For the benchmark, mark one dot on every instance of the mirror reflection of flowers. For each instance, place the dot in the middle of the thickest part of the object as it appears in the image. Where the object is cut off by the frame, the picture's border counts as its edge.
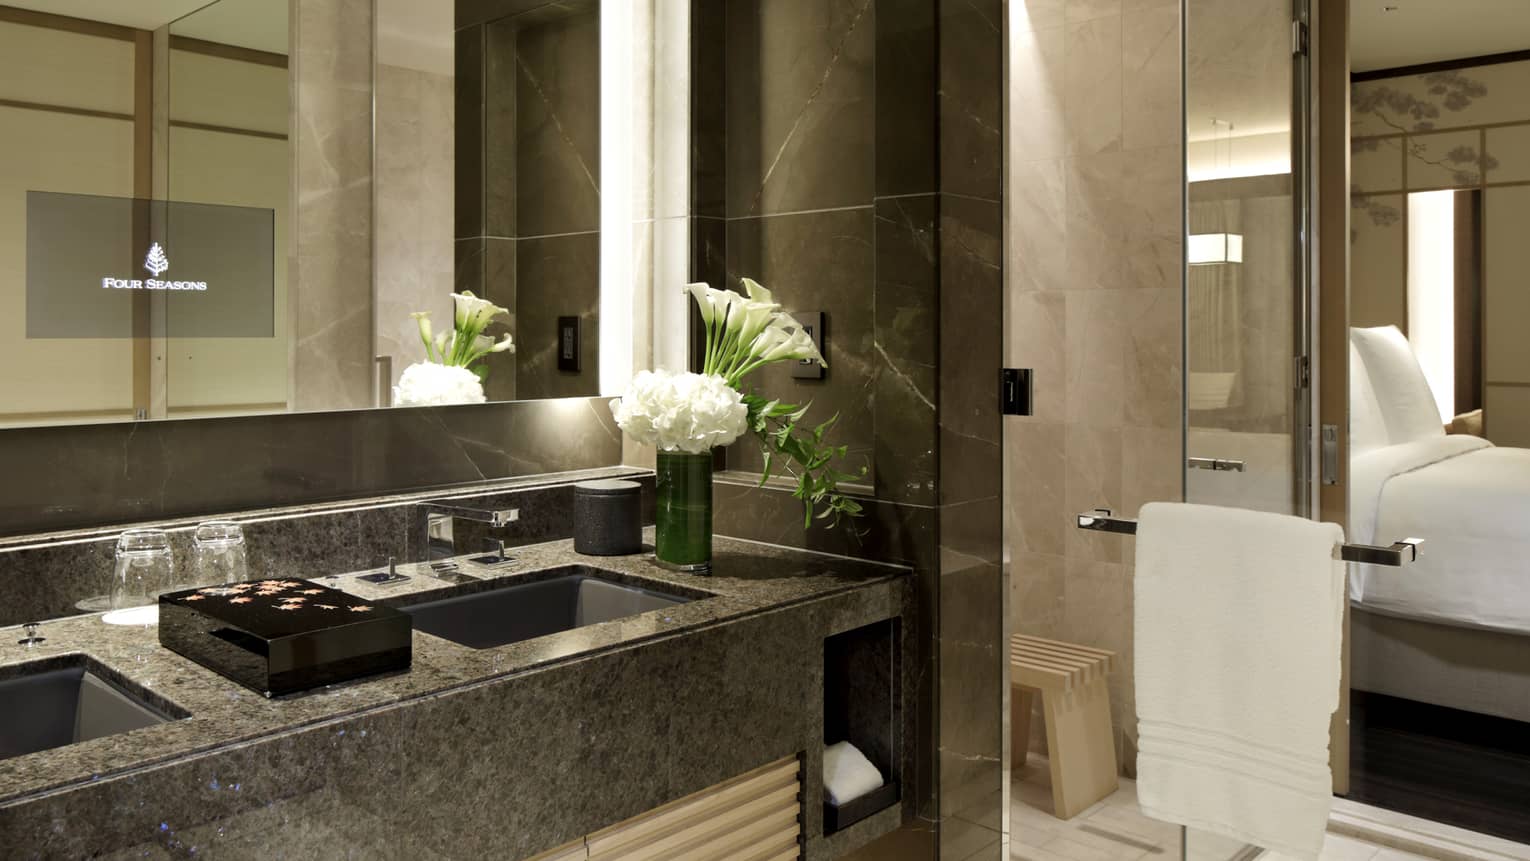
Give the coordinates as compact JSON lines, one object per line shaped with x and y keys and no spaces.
{"x":451,"y":372}
{"x":693,"y":412}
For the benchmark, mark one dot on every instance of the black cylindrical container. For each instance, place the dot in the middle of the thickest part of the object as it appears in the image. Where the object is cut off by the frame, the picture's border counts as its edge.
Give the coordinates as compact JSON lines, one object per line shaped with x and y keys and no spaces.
{"x":608,"y":517}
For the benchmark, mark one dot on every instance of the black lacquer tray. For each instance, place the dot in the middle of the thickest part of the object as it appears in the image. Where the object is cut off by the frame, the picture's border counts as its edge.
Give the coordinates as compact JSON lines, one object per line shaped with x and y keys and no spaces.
{"x":284,"y":636}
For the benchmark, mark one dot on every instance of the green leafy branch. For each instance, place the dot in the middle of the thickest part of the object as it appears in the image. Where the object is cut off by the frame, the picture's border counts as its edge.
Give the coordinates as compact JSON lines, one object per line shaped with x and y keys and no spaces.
{"x":806,"y":457}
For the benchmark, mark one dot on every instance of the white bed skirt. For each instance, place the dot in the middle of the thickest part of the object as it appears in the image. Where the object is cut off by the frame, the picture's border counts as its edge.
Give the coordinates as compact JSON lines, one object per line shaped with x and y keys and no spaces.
{"x":1471,"y":669}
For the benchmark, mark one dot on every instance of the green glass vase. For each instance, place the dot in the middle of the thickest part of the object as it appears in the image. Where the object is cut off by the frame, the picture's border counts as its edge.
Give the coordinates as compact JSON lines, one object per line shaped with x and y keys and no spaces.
{"x":683,"y":519}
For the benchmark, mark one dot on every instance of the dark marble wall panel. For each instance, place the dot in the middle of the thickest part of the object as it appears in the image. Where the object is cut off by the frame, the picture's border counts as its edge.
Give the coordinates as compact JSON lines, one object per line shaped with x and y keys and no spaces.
{"x":93,"y":475}
{"x":709,"y":101}
{"x":823,"y":262}
{"x":468,"y":152}
{"x":907,"y":154}
{"x":557,"y":125}
{"x":498,"y":109}
{"x":799,"y":104}
{"x":500,"y":286}
{"x":557,"y":276}
{"x":906,"y":312}
{"x":971,"y":74}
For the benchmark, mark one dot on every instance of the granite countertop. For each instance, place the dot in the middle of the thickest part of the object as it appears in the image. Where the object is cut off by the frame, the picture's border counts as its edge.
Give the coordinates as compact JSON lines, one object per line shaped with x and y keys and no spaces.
{"x":748,"y":578}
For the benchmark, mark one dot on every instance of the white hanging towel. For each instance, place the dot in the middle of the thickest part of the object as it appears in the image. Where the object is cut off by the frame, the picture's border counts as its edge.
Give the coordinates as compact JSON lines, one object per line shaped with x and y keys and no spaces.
{"x":1238,"y":631}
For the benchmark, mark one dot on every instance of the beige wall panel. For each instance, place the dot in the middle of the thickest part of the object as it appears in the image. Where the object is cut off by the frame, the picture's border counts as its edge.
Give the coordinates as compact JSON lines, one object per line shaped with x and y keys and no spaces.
{"x":1376,"y":164}
{"x":236,"y":170}
{"x":1510,"y":148}
{"x":1377,"y":254}
{"x":1508,"y":415}
{"x":1506,"y":99}
{"x":1506,"y":300}
{"x":55,"y":67}
{"x":1446,"y":160}
{"x":232,"y":93}
{"x":43,"y":151}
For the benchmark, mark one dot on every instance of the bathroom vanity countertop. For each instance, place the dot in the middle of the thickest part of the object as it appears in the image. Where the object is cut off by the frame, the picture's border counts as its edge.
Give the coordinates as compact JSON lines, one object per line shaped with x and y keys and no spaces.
{"x":748,"y":578}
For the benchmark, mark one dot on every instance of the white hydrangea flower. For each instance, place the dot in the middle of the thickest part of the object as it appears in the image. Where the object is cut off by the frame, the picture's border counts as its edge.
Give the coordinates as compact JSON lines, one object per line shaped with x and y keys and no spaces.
{"x":428,"y":384}
{"x":681,"y":411}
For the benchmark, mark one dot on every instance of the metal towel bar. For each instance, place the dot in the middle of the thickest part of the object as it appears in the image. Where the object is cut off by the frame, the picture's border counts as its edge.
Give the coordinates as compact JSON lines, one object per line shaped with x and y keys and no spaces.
{"x":1400,"y":553}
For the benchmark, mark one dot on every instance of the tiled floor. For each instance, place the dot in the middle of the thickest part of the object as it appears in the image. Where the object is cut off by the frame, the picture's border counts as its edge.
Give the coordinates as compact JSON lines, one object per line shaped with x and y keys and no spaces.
{"x":1114,"y":830}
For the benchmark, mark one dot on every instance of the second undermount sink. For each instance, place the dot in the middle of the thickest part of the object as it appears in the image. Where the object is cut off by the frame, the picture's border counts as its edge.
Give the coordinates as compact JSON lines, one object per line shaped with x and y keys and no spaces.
{"x":62,"y":701}
{"x":569,"y":598}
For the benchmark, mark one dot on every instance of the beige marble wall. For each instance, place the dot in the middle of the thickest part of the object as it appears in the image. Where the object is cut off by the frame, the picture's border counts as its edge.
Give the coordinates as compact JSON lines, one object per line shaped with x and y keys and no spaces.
{"x":414,"y":183}
{"x":331,"y":264}
{"x":1094,"y":299}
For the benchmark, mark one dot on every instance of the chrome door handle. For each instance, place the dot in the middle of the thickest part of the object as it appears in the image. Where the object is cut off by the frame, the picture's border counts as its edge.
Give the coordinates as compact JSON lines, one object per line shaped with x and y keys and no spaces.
{"x":1215,"y":464}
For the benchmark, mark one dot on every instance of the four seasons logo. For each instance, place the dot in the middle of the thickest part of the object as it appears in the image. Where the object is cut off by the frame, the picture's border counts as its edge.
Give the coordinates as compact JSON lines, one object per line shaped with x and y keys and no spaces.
{"x":157,"y":263}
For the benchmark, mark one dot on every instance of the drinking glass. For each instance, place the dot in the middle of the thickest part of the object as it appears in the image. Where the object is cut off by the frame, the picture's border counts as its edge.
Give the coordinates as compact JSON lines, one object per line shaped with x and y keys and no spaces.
{"x":217,"y":554}
{"x":145,"y":568}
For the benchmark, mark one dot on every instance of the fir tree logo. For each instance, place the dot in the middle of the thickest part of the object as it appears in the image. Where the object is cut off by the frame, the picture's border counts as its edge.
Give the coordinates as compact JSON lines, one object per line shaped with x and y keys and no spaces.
{"x":156,"y":262}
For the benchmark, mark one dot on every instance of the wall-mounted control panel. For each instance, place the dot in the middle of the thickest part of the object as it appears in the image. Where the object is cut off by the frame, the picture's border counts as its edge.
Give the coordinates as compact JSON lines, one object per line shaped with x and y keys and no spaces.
{"x":811,"y":369}
{"x":568,"y":344}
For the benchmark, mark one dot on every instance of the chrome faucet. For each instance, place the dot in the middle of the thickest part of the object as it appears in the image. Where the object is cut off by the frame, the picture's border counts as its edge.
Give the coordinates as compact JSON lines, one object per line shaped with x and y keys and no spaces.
{"x":436,"y":535}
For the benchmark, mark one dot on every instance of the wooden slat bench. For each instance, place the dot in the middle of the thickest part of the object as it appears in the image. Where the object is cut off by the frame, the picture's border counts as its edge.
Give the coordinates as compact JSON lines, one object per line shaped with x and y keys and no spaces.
{"x":1075,"y":704}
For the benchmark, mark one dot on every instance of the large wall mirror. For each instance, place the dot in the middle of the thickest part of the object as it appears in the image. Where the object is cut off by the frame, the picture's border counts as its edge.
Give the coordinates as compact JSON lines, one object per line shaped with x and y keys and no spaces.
{"x":168,"y":181}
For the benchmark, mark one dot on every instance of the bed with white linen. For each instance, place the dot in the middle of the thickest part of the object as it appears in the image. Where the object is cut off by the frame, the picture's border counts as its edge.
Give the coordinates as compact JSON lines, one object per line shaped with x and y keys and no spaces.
{"x":1453,"y":628}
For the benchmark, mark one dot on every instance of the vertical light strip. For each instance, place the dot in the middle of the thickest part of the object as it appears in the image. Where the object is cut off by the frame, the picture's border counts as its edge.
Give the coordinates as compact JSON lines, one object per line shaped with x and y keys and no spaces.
{"x":672,"y":185}
{"x":1432,"y":292}
{"x":617,"y":74}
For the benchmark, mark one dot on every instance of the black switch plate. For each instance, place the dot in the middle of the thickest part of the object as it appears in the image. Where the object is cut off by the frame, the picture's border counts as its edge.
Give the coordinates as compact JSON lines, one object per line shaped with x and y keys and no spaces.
{"x":568,"y":344}
{"x":1015,"y":391}
{"x":811,"y":369}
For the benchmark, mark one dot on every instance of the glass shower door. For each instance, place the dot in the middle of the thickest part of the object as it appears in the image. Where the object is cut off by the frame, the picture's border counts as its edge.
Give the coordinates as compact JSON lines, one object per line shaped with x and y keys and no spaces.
{"x":1247,"y":400}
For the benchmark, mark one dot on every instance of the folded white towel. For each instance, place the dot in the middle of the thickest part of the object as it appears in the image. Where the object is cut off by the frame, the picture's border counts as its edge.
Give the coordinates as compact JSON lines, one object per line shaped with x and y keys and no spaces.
{"x":1238,"y":629}
{"x":847,"y":773}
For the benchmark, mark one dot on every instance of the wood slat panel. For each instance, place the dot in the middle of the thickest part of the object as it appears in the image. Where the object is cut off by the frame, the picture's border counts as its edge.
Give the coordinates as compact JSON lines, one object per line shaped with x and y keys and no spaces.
{"x":755,"y":815}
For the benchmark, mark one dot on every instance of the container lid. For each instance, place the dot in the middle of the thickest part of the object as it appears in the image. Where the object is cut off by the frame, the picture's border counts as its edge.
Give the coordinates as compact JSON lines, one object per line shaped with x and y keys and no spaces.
{"x":607,"y":487}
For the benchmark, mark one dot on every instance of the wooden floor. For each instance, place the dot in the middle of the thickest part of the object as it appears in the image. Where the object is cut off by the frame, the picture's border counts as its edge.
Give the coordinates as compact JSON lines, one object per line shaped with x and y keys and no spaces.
{"x":1450,"y":766}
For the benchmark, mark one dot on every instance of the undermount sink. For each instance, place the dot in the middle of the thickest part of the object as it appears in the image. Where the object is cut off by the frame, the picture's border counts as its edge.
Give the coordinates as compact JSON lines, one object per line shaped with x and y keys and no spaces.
{"x":569,"y":598}
{"x":62,"y":701}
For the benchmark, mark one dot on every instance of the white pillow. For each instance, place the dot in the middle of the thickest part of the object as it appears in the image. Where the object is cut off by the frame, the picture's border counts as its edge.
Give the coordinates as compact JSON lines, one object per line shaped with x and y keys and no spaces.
{"x":1407,"y":405}
{"x":1367,"y":428}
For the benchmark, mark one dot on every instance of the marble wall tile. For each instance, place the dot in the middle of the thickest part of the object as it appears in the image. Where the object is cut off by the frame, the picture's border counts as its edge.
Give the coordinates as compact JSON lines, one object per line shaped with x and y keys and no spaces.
{"x":709,"y":109}
{"x":1036,"y":498}
{"x":1092,"y":84}
{"x":1038,"y":213}
{"x":905,"y":302}
{"x":799,"y":104}
{"x":1097,"y":330}
{"x":331,"y":323}
{"x":415,"y":256}
{"x":1028,"y":15}
{"x":1154,"y":368}
{"x":1150,"y":60}
{"x":1096,"y":222}
{"x":92,"y":475}
{"x":500,"y":137}
{"x":1037,"y":336}
{"x":468,"y":155}
{"x":971,"y":106}
{"x":557,"y":126}
{"x":906,"y":80}
{"x":817,"y":262}
{"x":1037,"y":114}
{"x":556,"y":277}
{"x":971,"y":290}
{"x":1108,"y":428}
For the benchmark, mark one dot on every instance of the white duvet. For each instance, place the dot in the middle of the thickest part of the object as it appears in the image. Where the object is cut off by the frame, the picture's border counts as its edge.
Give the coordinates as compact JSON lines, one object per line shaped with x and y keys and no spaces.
{"x":1470,"y":501}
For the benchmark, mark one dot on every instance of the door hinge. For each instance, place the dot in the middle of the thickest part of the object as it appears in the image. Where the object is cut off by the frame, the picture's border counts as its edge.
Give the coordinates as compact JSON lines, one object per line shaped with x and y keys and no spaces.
{"x":1330,"y":474}
{"x":1299,"y":38}
{"x":1015,"y":392}
{"x":1301,"y":375}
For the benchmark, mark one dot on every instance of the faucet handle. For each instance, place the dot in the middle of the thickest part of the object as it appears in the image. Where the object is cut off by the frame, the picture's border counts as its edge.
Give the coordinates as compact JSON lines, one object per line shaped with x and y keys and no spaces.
{"x":506,"y":516}
{"x":31,"y":639}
